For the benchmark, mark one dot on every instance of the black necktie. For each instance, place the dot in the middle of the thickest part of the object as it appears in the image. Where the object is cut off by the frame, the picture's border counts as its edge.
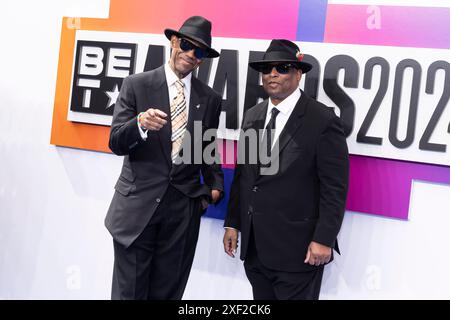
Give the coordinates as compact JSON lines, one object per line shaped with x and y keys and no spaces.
{"x":269,"y":132}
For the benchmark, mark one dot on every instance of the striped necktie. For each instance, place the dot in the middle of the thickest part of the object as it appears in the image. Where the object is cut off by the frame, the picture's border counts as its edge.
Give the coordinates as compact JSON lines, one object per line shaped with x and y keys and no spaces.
{"x":179,"y":119}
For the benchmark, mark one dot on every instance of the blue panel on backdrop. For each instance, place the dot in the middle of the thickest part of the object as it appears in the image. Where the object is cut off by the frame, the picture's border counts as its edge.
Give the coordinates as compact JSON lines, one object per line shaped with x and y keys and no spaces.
{"x":219,"y":211}
{"x":311,"y":20}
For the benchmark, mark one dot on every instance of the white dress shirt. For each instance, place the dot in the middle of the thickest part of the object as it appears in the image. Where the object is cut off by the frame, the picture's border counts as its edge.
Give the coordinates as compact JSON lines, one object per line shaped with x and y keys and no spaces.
{"x":285,"y":107}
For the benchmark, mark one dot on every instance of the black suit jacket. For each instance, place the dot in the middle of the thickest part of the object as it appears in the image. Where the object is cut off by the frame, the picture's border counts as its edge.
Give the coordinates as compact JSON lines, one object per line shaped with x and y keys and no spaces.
{"x":305,"y":200}
{"x":147,"y":168}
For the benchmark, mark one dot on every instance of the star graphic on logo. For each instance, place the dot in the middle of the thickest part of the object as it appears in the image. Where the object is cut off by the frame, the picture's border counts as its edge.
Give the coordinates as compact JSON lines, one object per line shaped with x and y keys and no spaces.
{"x":112,"y":95}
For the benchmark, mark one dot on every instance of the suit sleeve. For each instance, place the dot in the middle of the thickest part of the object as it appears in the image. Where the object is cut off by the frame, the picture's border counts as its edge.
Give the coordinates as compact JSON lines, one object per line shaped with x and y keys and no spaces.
{"x":233,"y":217}
{"x":212,"y":173}
{"x":333,"y":169}
{"x":124,"y":135}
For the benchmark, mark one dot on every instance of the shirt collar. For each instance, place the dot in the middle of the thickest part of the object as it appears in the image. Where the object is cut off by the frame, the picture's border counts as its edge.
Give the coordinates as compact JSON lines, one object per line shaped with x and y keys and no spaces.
{"x":287,"y":105}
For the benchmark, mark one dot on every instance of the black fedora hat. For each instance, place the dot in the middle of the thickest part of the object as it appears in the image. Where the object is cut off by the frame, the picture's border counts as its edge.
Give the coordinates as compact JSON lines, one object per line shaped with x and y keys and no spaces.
{"x":198,"y":29}
{"x":282,"y":51}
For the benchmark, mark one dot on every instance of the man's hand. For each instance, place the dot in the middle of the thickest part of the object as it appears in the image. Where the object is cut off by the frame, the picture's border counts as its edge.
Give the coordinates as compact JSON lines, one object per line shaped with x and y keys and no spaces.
{"x":215,"y":195}
{"x":317,"y":254}
{"x":153,"y":119}
{"x":230,"y":241}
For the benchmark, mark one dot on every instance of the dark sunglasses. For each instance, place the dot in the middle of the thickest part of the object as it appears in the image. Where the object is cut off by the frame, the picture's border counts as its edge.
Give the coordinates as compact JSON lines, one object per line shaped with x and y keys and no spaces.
{"x":282,"y":68}
{"x":185,"y":45}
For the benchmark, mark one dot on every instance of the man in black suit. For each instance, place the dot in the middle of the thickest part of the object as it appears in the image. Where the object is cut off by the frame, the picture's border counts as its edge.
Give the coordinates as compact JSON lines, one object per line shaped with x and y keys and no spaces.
{"x":154,"y":216}
{"x":289,"y":217}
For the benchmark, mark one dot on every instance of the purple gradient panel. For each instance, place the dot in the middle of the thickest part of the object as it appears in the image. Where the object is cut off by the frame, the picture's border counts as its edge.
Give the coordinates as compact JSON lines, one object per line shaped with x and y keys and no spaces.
{"x":420,"y":27}
{"x":383,"y":187}
{"x":311,"y":20}
{"x":377,"y":186}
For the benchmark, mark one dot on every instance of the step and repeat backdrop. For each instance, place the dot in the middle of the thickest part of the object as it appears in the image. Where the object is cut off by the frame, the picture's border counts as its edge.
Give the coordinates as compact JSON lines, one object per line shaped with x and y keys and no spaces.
{"x":384,"y":69}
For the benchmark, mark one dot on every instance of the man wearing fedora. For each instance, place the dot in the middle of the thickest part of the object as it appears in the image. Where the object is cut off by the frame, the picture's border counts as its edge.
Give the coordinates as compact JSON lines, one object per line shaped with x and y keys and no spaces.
{"x":154,"y":216}
{"x":288,"y":219}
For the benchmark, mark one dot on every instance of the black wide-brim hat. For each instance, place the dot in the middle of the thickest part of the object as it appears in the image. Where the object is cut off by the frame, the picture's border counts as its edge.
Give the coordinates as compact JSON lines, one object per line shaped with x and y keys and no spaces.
{"x":282,"y":51}
{"x":198,"y":29}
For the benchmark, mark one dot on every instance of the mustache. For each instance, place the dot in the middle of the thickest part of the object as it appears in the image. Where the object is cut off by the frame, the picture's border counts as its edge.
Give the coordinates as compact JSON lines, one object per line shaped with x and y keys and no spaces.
{"x":189,"y":60}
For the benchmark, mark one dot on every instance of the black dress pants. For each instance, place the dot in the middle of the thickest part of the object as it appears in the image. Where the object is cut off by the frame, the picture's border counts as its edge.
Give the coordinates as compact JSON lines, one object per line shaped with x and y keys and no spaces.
{"x":269,"y":284}
{"x":157,"y":264}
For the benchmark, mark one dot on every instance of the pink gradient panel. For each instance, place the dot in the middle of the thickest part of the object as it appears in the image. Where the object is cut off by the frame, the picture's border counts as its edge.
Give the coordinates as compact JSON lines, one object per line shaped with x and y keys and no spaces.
{"x":228,"y":153}
{"x":399,"y":26}
{"x":253,"y":18}
{"x":232,"y":18}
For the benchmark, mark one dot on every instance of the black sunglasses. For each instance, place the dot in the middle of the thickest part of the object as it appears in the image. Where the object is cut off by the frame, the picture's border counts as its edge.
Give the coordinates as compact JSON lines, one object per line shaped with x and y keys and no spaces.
{"x":282,"y":68}
{"x":185,"y":45}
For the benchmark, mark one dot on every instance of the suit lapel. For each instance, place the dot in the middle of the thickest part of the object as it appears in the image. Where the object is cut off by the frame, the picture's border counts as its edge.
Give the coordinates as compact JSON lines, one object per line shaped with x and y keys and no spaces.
{"x":158,"y":94}
{"x":197,"y":104}
{"x":258,"y":124}
{"x":294,"y":122}
{"x":260,"y":117}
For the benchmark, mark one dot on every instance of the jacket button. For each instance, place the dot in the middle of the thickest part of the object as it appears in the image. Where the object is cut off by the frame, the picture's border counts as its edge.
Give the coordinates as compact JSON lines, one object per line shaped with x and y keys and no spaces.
{"x":158,"y":200}
{"x":255,"y":188}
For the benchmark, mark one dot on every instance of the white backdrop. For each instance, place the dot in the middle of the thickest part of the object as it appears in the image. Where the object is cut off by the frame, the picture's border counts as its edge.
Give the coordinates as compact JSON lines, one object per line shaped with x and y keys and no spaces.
{"x":53,"y":200}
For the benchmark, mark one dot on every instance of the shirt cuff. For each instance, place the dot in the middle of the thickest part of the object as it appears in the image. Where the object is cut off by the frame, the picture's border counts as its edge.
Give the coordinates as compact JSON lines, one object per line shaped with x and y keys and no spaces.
{"x":142,"y":132}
